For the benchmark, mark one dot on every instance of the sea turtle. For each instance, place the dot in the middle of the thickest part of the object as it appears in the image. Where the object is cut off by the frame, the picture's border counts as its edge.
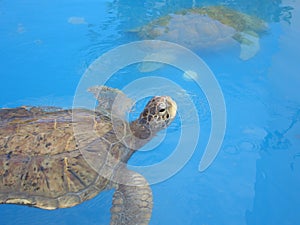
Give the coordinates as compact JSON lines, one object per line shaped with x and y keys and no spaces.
{"x":44,"y":164}
{"x":208,"y":28}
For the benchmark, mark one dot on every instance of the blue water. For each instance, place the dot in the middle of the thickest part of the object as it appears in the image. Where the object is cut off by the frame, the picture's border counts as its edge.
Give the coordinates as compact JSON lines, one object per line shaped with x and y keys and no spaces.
{"x":45,"y":47}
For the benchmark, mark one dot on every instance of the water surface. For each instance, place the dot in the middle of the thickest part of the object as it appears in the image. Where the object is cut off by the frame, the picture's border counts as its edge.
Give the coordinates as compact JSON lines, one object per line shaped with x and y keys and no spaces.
{"x":46,"y":46}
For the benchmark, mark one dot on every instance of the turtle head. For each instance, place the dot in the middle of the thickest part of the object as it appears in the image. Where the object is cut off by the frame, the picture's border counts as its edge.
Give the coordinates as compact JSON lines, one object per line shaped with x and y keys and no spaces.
{"x":159,"y":112}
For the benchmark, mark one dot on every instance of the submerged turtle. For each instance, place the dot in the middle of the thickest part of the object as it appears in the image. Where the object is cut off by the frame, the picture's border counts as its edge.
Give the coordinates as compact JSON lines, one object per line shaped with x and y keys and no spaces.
{"x":44,"y":164}
{"x":211,"y":28}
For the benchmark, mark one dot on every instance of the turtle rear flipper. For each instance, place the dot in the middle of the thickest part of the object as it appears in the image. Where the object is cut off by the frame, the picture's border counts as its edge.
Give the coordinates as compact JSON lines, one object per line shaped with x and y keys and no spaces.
{"x":132,"y":200}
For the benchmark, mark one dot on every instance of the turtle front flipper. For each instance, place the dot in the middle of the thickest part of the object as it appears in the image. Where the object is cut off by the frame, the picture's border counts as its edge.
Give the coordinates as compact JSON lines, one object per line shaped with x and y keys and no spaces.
{"x":132,"y":200}
{"x":111,"y":101}
{"x":249,"y":42}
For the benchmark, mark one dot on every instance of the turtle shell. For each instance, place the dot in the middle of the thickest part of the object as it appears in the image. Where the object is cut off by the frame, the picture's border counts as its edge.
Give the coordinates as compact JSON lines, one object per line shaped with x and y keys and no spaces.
{"x":191,"y":29}
{"x":41,"y":158}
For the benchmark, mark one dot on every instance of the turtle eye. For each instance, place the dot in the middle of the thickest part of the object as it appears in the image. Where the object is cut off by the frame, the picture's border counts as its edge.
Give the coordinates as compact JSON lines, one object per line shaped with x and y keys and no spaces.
{"x":161,"y":108}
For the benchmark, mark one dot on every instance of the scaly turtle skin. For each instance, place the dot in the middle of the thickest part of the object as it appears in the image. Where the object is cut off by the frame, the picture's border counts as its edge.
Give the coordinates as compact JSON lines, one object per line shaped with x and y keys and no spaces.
{"x":44,"y":161}
{"x":207,"y":28}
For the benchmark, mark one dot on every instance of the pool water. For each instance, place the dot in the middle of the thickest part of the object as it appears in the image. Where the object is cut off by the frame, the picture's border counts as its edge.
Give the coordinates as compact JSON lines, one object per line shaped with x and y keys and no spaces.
{"x":46,"y":46}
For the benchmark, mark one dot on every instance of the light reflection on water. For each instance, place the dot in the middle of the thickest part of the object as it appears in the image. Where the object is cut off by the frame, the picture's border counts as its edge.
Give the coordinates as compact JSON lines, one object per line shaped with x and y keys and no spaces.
{"x":255,"y":178}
